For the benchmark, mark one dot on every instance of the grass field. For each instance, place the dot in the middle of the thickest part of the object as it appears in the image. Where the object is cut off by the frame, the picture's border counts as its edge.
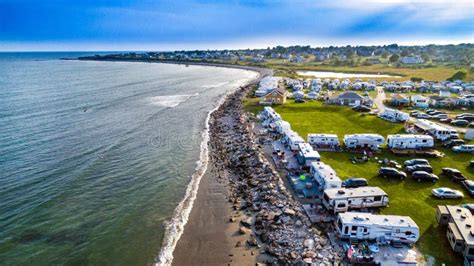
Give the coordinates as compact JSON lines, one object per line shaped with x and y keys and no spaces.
{"x":406,"y":197}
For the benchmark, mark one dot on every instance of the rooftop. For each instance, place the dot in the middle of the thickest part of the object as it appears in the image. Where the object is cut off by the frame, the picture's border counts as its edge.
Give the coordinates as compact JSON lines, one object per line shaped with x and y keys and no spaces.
{"x":374,"y":219}
{"x":354,"y":192}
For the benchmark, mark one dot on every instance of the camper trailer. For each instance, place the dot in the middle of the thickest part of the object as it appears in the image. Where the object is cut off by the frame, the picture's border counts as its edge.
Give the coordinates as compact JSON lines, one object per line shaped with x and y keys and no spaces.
{"x":269,"y":115}
{"x":282,"y":126}
{"x":367,"y":226}
{"x":325,"y":176}
{"x":360,"y":141}
{"x":438,"y":131}
{"x":409,"y":141}
{"x":344,"y":199}
{"x":307,"y":155}
{"x":323,"y":141}
{"x":393,"y":115}
{"x":293,"y":140}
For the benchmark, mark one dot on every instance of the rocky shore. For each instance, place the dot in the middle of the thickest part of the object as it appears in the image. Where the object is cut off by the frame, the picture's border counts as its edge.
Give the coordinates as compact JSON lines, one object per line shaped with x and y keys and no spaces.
{"x":267,"y":213}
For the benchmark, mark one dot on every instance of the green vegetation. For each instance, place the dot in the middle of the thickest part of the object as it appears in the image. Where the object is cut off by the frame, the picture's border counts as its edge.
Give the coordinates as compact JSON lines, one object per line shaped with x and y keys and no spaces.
{"x":394,"y":58}
{"x":406,"y":197}
{"x":460,"y":75}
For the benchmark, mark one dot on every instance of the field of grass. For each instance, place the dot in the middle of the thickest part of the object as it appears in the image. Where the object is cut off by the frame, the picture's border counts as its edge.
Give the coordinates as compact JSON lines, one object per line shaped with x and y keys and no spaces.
{"x":407,"y":197}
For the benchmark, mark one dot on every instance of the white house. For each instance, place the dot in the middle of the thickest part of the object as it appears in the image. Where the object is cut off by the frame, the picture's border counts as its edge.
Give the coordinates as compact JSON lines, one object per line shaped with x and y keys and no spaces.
{"x":306,"y":155}
{"x":360,"y":141}
{"x":344,"y":199}
{"x":323,"y":141}
{"x":420,"y":101}
{"x":409,"y":141}
{"x":325,"y":175}
{"x":367,"y":226}
{"x":412,"y":60}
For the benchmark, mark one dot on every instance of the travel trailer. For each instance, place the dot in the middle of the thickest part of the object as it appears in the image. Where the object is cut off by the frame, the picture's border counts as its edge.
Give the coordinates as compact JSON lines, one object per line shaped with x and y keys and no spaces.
{"x":393,"y":115}
{"x":438,"y":131}
{"x":307,"y":155}
{"x":325,"y":176}
{"x":344,"y":199}
{"x":293,"y":140}
{"x":269,"y":115}
{"x":409,"y":141}
{"x":360,"y":141}
{"x":323,"y":141}
{"x":282,"y":126}
{"x":367,"y":226}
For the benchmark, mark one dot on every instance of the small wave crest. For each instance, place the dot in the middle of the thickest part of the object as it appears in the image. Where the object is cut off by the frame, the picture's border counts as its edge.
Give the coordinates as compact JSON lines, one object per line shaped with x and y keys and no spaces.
{"x":215,"y":85}
{"x":170,"y":100}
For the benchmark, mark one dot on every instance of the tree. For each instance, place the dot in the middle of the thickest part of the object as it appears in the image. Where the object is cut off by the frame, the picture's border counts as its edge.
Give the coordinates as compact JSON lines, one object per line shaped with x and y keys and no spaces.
{"x":394,"y":58}
{"x":460,"y":75}
{"x":416,"y":79}
{"x":405,"y":53}
{"x":385,"y":55}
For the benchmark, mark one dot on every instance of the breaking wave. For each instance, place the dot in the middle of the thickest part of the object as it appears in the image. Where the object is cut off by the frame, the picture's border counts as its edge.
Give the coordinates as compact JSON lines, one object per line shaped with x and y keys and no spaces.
{"x":170,"y":100}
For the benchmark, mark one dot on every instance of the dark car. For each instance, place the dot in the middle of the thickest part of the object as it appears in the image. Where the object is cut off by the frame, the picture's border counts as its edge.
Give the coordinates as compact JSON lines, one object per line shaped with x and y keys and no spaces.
{"x":355,"y":182}
{"x":445,"y":120}
{"x":469,"y":186}
{"x":424,"y":176}
{"x":453,"y":174}
{"x":415,"y":162}
{"x":460,"y":122}
{"x":454,"y":142}
{"x":299,"y":100}
{"x":420,"y":167}
{"x":466,"y":117}
{"x":392,"y":172}
{"x":471,"y":164}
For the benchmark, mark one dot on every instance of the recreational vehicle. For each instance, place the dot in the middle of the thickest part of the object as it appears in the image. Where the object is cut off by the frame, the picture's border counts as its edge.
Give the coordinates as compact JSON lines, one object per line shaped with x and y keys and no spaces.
{"x":269,"y":115}
{"x":393,"y":115}
{"x":359,"y":141}
{"x":325,"y":176}
{"x":343,"y":199}
{"x":307,"y":155}
{"x":282,"y":126}
{"x":438,"y":131}
{"x":323,"y":141}
{"x":367,"y":226}
{"x":293,"y":140}
{"x":409,"y":141}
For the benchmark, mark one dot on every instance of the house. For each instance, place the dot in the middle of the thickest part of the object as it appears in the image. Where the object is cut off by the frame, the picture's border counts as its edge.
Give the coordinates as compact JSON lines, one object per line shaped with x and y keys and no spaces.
{"x":411,"y":60}
{"x":409,"y":141}
{"x":275,"y":96}
{"x":323,"y":141}
{"x":298,"y":95}
{"x":325,"y":176}
{"x":399,"y":100}
{"x":420,"y":101}
{"x":306,"y":155}
{"x":460,"y":228}
{"x":344,"y":199}
{"x":367,"y":226}
{"x":363,"y":141}
{"x":347,"y":98}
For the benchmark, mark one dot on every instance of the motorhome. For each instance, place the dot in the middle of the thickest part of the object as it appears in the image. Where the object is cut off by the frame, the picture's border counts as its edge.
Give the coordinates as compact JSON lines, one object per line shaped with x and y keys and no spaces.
{"x":282,"y":126}
{"x":307,"y":155}
{"x":409,"y":141}
{"x":344,"y":199}
{"x":325,"y":176}
{"x":367,"y":226}
{"x":360,"y":141}
{"x":269,"y":115}
{"x":393,"y":115}
{"x":323,"y":141}
{"x":293,"y":140}
{"x":438,"y":131}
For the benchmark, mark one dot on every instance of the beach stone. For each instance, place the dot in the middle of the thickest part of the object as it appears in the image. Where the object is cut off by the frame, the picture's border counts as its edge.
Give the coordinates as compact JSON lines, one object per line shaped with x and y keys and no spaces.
{"x":238,"y":244}
{"x":288,"y":211}
{"x":311,"y":254}
{"x":243,"y":230}
{"x":308,"y":260}
{"x":247,"y":222}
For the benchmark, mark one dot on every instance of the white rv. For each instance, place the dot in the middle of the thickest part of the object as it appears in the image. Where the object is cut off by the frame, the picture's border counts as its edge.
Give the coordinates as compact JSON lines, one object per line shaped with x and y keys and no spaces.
{"x":409,"y":141}
{"x":269,"y":115}
{"x":393,"y":115}
{"x":359,"y":141}
{"x":307,"y":155}
{"x":438,"y":131}
{"x":323,"y":140}
{"x":343,"y":199}
{"x":325,"y":175}
{"x":282,"y":126}
{"x":293,"y":140}
{"x":367,"y":226}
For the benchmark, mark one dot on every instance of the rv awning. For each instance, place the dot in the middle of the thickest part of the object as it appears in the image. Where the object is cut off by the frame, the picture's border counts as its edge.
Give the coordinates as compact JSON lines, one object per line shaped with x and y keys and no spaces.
{"x":456,"y":233}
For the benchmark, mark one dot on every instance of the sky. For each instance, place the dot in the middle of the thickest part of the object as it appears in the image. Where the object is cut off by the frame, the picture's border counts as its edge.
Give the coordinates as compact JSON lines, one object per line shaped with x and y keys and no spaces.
{"x":119,"y":25}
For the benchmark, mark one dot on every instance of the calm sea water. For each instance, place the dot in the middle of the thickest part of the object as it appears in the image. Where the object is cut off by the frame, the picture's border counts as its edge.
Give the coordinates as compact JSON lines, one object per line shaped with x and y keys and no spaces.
{"x":95,"y":156}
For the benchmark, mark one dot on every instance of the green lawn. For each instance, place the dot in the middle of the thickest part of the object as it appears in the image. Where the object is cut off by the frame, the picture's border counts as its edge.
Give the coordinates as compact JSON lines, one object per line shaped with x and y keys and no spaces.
{"x":406,"y":197}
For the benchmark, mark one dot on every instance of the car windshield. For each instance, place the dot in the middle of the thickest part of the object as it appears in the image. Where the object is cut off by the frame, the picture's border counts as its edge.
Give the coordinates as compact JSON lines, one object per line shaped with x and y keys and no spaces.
{"x":439,"y":190}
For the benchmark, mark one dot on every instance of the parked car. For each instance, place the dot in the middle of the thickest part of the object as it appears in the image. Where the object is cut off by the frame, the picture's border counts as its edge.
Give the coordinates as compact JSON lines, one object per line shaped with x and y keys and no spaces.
{"x":425,"y":116}
{"x":434,"y":112}
{"x":464,"y":148}
{"x":361,"y":108}
{"x":453,"y":142}
{"x":424,"y":176}
{"x":419,"y":167}
{"x":469,"y":186}
{"x":468,"y":117}
{"x":392,"y":172}
{"x":415,"y":162}
{"x":453,"y":174}
{"x":464,"y":115}
{"x":445,"y":120}
{"x":447,"y":193}
{"x":460,"y":122}
{"x":355,"y":182}
{"x":414,"y":113}
{"x":469,"y":206}
{"x":440,"y":116}
{"x":299,"y":100}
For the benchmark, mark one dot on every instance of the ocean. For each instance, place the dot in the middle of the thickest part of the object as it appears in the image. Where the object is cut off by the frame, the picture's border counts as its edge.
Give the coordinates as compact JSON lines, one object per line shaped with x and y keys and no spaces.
{"x":99,"y":161}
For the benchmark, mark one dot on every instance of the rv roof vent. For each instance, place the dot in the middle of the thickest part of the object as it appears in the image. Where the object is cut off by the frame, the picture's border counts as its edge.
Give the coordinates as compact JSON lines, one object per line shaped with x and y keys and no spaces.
{"x":472,"y":232}
{"x":468,"y":225}
{"x":402,"y":221}
{"x":458,"y":210}
{"x":341,"y":192}
{"x":463,"y":216}
{"x":359,"y":218}
{"x":385,"y":219}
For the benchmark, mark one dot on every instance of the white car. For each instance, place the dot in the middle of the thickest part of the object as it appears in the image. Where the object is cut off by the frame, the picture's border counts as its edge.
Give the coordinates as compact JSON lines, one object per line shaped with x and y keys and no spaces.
{"x":464,"y":148}
{"x":447,"y":193}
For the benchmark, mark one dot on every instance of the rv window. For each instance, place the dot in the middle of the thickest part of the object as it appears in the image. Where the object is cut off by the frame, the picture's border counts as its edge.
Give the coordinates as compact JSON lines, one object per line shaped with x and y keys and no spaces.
{"x":339,"y":224}
{"x":341,"y":205}
{"x":471,"y":251}
{"x":377,"y":198}
{"x":424,"y":140}
{"x":408,"y":233}
{"x":326,"y":197}
{"x":365,"y":230}
{"x":397,"y":231}
{"x":354,"y":228}
{"x":346,"y":230}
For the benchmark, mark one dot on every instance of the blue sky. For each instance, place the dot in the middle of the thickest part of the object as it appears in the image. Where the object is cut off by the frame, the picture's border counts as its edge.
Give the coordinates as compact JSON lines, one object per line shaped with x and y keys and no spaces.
{"x":201,"y":24}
